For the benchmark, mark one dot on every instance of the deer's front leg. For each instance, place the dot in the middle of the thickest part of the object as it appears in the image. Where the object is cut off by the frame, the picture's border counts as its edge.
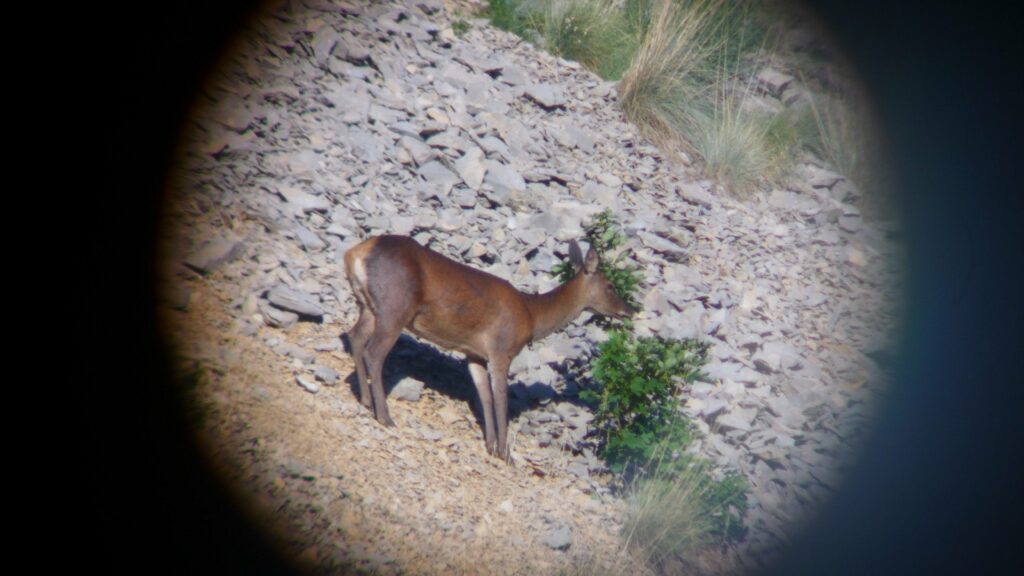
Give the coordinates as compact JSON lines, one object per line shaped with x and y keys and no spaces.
{"x":483,"y":388}
{"x":499,"y":389}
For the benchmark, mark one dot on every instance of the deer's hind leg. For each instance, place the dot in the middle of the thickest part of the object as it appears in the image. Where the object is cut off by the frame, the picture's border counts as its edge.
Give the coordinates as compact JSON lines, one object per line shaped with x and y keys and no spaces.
{"x":358,"y":336}
{"x":385,"y":334}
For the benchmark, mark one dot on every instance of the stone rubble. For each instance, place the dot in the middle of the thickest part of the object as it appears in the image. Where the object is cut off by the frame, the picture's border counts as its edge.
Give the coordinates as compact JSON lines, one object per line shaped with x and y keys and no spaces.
{"x":358,"y":118}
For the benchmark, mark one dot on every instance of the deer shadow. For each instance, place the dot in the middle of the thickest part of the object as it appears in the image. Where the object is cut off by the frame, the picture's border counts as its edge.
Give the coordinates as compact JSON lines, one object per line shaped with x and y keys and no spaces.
{"x":437,"y":370}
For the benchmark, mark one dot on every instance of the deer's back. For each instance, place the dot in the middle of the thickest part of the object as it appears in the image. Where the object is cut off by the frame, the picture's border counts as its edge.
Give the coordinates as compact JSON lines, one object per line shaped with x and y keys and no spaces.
{"x":450,"y":303}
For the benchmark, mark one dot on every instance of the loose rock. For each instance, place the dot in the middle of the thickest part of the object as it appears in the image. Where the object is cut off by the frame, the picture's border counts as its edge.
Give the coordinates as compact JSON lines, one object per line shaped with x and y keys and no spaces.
{"x":295,"y":301}
{"x":559,"y":538}
{"x":408,"y":389}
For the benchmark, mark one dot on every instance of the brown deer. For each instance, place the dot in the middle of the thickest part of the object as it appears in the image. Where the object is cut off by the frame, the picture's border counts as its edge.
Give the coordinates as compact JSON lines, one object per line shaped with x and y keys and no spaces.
{"x":402,"y":285}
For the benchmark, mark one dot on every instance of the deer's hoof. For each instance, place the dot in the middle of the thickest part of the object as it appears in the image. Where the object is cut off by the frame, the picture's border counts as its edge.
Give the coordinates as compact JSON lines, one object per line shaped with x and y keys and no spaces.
{"x":386,"y":421}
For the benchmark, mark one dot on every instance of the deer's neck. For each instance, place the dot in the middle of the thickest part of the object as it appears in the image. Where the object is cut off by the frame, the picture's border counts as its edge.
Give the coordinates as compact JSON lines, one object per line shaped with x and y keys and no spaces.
{"x":553,"y":310}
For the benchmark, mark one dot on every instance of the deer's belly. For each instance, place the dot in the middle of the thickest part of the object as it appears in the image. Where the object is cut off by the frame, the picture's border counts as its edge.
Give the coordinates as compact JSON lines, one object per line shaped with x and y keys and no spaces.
{"x":447,"y":339}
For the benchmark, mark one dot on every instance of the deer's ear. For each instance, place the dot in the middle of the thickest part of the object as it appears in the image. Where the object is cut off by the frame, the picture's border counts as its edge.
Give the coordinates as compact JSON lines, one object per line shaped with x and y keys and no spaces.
{"x":590,"y":265}
{"x":575,"y":255}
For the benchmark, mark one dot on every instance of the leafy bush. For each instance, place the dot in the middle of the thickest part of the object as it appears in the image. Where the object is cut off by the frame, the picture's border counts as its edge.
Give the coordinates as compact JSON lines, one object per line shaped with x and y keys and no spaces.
{"x":636,"y":403}
{"x":602,"y":233}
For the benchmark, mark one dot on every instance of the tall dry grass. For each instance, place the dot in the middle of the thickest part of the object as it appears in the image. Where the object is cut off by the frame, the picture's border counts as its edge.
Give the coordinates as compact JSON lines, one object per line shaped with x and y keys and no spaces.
{"x":657,"y":90}
{"x":677,"y":511}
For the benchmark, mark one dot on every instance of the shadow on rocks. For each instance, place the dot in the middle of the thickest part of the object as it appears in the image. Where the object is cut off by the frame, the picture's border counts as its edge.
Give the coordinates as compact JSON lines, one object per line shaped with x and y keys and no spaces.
{"x":437,"y":370}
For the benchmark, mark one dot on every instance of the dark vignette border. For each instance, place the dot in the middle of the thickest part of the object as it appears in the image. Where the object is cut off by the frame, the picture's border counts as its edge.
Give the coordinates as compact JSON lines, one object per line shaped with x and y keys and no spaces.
{"x":937,"y":490}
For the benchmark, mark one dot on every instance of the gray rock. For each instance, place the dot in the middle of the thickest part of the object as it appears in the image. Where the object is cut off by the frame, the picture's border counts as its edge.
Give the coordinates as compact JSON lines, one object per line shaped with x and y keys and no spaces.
{"x":599,"y":194}
{"x":819,"y":177}
{"x":302,"y":200}
{"x":579,"y":469}
{"x":773,"y":81}
{"x":513,"y":76}
{"x":309,"y":385}
{"x":310,"y":241}
{"x":851,"y":224}
{"x":581,"y":138}
{"x":405,"y":129}
{"x":296,"y":301}
{"x":767,"y":362}
{"x":787,"y":200}
{"x":438,"y":177}
{"x":548,"y":96}
{"x":495,"y":146}
{"x":672,"y":251}
{"x":732,"y":371}
{"x":471,"y":167}
{"x":326,"y":374}
{"x":464,"y":197}
{"x":504,"y":179}
{"x":276,"y":317}
{"x":294,"y":351}
{"x":694,"y":194}
{"x":845,"y":191}
{"x":403,"y":225}
{"x":449,"y":140}
{"x":610,"y":180}
{"x":328,"y":346}
{"x":751,"y":342}
{"x":713,"y":406}
{"x":418,"y":151}
{"x":352,"y":50}
{"x":353,"y":103}
{"x":559,"y":538}
{"x":408,"y":389}
{"x":323,"y":43}
{"x":738,"y":419}
{"x":788,"y":355}
{"x":215,"y":253}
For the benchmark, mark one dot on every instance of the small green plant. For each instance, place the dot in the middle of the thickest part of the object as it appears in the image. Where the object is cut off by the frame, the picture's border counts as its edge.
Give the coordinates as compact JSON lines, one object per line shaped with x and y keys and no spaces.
{"x":603,"y":235}
{"x":636,"y":402}
{"x":460,"y":27}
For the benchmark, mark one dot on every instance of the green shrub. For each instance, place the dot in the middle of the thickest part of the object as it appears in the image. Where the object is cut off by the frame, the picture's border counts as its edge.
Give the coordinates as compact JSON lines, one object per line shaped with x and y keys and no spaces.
{"x":602,"y":233}
{"x":676,"y":505}
{"x":636,"y":402}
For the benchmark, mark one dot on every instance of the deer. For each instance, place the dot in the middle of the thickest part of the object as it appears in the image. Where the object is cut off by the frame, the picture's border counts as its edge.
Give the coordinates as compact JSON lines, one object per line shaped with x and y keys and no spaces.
{"x":400,"y":285}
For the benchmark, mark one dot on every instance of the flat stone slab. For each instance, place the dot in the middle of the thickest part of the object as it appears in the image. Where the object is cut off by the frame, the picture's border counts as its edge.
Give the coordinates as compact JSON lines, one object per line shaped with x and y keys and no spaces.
{"x":295,"y":301}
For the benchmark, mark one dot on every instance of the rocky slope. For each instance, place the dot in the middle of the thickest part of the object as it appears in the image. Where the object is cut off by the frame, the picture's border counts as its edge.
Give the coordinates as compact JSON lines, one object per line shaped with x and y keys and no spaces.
{"x":333,"y":121}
